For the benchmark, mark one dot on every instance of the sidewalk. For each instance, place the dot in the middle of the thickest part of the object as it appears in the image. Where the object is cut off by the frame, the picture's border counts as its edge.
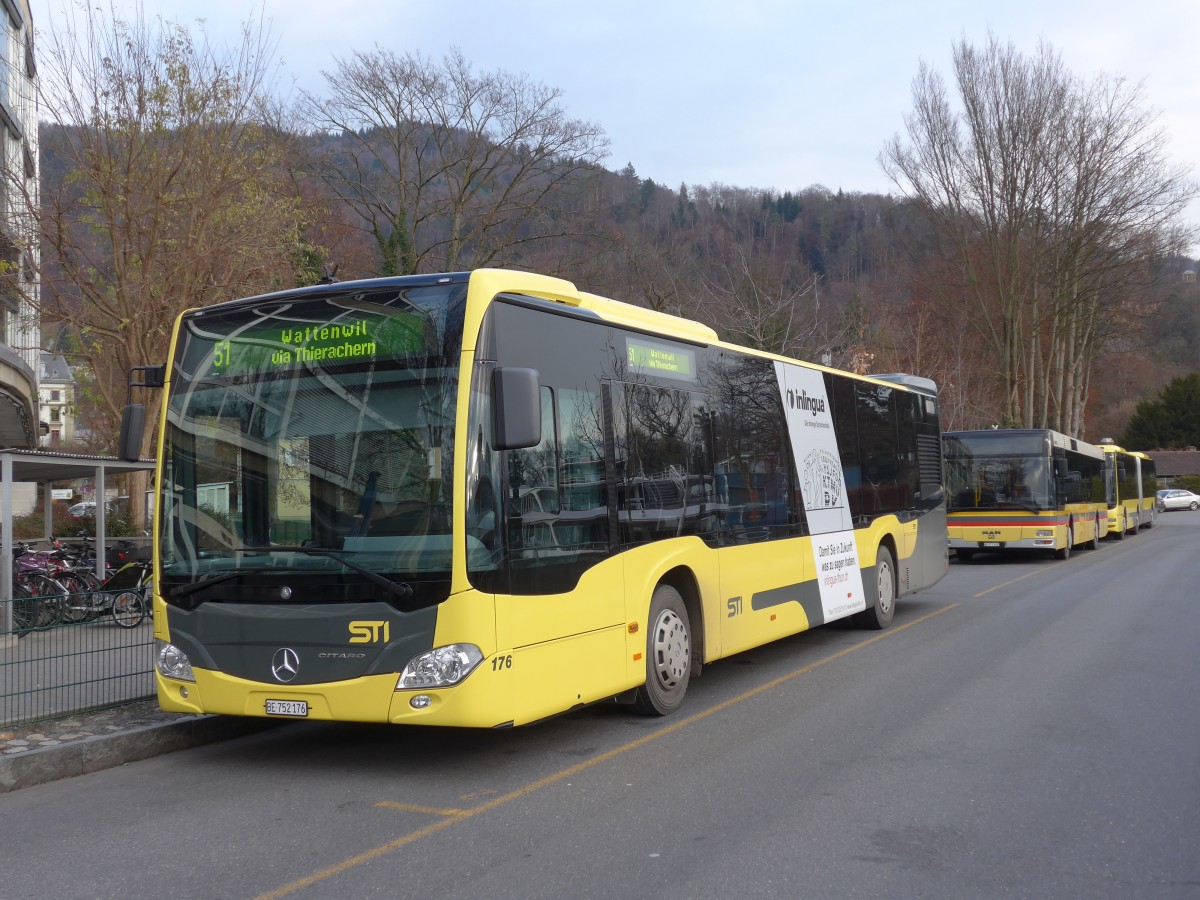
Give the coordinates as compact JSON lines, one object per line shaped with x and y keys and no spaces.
{"x":88,"y":742}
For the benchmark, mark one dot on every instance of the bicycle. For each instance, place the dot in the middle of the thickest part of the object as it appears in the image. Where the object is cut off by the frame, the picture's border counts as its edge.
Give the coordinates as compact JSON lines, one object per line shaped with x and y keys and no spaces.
{"x":24,"y":611}
{"x":89,"y":597}
{"x":76,"y":572}
{"x":45,"y":595}
{"x":128,"y":593}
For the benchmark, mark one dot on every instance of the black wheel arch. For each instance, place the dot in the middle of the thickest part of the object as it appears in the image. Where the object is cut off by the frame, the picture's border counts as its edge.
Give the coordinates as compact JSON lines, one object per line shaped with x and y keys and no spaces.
{"x":888,"y":541}
{"x":684,"y":581}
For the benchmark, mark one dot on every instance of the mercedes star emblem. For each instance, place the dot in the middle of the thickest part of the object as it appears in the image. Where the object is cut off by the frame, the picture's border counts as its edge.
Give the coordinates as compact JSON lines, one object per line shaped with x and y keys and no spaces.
{"x":285,"y":664}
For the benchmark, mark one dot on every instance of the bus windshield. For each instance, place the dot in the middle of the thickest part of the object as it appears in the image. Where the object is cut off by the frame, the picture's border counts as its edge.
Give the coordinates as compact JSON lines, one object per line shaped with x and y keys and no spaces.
{"x":313,"y":435}
{"x":998,"y":472}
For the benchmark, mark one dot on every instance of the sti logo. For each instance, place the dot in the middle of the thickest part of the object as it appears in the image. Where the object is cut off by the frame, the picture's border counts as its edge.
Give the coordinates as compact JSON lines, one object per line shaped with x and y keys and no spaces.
{"x":368,"y":632}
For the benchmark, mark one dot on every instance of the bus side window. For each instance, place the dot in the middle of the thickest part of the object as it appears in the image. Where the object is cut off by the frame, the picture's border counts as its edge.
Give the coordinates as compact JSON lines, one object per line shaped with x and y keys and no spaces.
{"x":845,"y":428}
{"x":533,"y":486}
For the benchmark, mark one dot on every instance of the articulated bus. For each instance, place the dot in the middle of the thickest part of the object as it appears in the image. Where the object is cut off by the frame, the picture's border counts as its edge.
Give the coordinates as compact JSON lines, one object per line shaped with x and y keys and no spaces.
{"x":1023,"y":488}
{"x":487,"y":498}
{"x":1133,"y":486}
{"x":1148,"y":487}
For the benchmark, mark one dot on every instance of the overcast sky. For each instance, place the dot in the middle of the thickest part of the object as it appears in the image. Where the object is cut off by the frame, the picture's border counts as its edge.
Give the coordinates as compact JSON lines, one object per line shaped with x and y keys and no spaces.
{"x":758,"y":93}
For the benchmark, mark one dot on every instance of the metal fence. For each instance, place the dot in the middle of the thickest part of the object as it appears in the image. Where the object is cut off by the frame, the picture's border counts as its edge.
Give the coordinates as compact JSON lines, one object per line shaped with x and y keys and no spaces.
{"x":51,"y":670}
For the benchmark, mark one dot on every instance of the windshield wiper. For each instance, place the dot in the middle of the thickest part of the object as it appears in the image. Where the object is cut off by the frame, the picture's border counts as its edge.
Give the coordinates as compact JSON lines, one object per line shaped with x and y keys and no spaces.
{"x":398,"y":588}
{"x":1019,"y":504}
{"x":212,"y":581}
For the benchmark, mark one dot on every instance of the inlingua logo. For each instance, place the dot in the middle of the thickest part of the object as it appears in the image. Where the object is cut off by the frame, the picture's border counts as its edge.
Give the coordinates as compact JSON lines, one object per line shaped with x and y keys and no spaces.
{"x":800,"y":400}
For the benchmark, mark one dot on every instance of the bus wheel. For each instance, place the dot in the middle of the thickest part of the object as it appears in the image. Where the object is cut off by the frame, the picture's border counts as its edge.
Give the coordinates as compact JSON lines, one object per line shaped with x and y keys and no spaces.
{"x":879,"y":616}
{"x":1065,"y":552}
{"x":965,"y":555}
{"x":668,"y":654}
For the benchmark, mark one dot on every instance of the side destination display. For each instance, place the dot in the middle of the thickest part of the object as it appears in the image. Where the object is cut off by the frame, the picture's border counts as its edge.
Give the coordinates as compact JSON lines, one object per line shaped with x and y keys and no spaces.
{"x":664,"y":360}
{"x":823,"y":486}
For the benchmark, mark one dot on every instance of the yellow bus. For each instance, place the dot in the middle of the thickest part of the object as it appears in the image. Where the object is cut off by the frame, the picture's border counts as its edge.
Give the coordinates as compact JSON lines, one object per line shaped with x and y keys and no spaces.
{"x":1133,"y":486}
{"x":1028,"y":489}
{"x":483,"y":499}
{"x":1148,"y":489}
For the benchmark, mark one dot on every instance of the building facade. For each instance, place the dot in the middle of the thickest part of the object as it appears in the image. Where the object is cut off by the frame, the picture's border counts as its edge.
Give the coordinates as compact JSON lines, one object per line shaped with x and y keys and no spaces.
{"x":19,"y":256}
{"x":56,"y":400}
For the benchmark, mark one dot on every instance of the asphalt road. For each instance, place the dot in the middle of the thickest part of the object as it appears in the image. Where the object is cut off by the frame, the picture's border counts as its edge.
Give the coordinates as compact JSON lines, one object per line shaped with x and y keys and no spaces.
{"x":1027,"y":728}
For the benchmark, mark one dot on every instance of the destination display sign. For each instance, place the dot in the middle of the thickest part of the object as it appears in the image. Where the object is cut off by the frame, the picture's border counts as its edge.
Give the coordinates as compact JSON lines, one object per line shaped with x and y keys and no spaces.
{"x":654,"y":358}
{"x":288,"y":345}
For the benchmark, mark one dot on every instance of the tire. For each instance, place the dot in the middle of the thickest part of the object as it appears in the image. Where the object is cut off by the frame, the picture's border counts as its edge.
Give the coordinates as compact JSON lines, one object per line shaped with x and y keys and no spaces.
{"x":79,"y":607}
{"x":1193,"y":505}
{"x":128,"y":609}
{"x":24,"y":611}
{"x":965,"y":555}
{"x":48,"y":596}
{"x":1119,"y":534}
{"x":879,"y":615}
{"x":1065,"y":552}
{"x":668,"y":654}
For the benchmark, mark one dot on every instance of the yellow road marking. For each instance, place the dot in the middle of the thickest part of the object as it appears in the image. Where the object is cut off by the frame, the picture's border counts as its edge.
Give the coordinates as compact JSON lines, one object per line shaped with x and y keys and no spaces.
{"x":1007,"y":583}
{"x":427,"y":810}
{"x":451,"y":817}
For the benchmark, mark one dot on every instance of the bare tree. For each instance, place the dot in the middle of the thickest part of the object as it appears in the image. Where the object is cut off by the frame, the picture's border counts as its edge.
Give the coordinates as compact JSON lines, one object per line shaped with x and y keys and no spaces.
{"x":1055,"y":198}
{"x":1113,"y":214}
{"x":172,"y":196}
{"x":446,"y":168}
{"x":761,"y":296}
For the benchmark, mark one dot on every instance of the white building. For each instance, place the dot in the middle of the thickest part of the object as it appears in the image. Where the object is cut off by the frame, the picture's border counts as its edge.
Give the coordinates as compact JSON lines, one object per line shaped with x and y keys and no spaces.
{"x":56,"y":400}
{"x":19,"y":261}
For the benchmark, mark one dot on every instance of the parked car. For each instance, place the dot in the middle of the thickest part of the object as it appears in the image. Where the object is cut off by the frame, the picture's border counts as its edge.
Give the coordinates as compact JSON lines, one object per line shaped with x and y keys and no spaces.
{"x":87,"y":509}
{"x":1176,"y":498}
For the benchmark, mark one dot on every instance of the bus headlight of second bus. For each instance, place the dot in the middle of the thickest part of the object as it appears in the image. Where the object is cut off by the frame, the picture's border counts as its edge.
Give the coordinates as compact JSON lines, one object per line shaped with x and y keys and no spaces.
{"x":440,"y":667}
{"x":172,"y":662}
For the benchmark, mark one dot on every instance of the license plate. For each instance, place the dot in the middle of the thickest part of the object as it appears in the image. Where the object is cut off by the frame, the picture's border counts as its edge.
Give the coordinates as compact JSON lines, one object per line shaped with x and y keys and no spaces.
{"x":295,"y":708}
{"x":990,"y":544}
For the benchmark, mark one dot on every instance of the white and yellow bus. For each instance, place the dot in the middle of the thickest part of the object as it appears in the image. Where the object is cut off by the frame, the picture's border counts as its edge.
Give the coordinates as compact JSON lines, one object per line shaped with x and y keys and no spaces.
{"x":483,"y":499}
{"x":1132,"y":488}
{"x":1032,"y":489}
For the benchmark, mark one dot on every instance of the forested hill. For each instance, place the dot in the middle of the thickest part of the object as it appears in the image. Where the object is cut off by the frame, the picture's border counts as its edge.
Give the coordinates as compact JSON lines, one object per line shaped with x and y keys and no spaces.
{"x":857,"y":279}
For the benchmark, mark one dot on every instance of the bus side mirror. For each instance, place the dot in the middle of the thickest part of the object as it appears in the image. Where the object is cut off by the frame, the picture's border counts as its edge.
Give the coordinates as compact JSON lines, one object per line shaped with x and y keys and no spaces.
{"x":153,"y":376}
{"x":518,"y":408}
{"x":133,"y":423}
{"x":133,"y":416}
{"x":1060,"y":468}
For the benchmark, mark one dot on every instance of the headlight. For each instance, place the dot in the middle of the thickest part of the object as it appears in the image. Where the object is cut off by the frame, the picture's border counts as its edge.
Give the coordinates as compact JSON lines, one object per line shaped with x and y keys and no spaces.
{"x":440,"y":667}
{"x":172,"y":662}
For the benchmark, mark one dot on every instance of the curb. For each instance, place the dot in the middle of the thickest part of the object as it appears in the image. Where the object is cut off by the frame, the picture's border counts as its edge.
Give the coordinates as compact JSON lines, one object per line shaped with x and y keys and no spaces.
{"x":100,"y":752}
